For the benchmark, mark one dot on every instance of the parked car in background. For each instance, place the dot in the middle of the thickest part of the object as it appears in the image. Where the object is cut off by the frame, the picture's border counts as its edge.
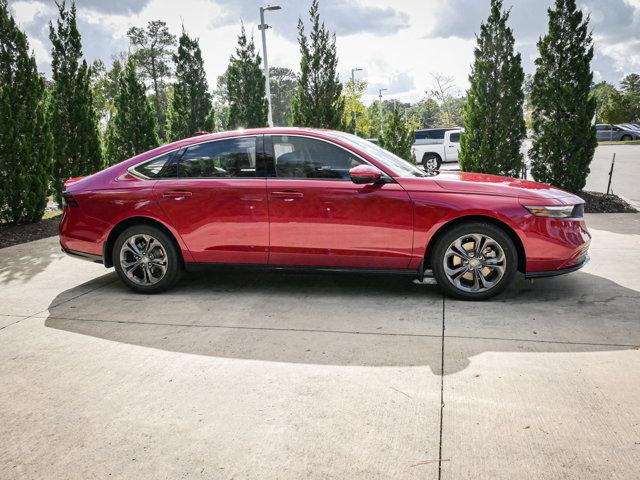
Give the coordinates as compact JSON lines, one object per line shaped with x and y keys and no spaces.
{"x":630,"y":126}
{"x":616,"y":133}
{"x":319,"y":199}
{"x":434,"y":146}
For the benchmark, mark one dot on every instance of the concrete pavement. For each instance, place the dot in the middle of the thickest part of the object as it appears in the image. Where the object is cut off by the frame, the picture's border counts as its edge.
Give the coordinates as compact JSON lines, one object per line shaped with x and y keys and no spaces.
{"x":282,"y":375}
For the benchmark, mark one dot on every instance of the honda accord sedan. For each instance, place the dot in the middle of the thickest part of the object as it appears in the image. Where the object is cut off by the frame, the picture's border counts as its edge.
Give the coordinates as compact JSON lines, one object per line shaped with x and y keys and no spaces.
{"x":316,"y":199}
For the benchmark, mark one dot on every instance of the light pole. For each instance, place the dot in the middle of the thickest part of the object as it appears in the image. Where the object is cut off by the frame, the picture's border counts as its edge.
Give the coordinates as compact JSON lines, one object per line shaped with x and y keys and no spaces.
{"x":380,"y":90}
{"x":353,"y":85}
{"x":263,"y":28}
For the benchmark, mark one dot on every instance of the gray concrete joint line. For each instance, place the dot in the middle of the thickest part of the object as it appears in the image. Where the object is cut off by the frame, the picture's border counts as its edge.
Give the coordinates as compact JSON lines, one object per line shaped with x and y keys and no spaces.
{"x":441,"y":392}
{"x":344,"y":332}
{"x":35,"y":315}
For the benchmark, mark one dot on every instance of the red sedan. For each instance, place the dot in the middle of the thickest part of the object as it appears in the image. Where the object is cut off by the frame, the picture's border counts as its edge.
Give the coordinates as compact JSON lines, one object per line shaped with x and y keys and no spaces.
{"x":291,"y":198}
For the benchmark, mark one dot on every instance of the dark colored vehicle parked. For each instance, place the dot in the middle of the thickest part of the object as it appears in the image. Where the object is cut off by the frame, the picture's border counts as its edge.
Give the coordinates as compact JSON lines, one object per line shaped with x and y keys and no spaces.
{"x":292,"y":198}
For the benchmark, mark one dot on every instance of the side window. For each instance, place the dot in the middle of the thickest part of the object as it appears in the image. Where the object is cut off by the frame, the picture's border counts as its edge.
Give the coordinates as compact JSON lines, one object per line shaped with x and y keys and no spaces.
{"x":156,"y":168}
{"x":454,"y":137}
{"x":230,"y":158}
{"x":302,"y":157}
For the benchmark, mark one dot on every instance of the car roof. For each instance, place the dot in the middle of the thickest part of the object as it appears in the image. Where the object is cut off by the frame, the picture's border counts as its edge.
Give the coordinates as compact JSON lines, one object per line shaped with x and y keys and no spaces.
{"x":256,"y":131}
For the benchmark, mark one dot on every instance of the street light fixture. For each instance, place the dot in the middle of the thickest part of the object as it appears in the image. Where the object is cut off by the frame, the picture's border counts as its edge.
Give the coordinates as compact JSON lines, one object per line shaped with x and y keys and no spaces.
{"x":380,"y":90}
{"x":353,"y":85}
{"x":263,"y":28}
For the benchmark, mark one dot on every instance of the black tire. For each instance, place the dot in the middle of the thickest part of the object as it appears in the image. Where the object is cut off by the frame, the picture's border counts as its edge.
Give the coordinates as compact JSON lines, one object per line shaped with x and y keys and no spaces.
{"x":494,"y":233}
{"x":431,"y":161}
{"x":164,"y":250}
{"x":626,"y":138}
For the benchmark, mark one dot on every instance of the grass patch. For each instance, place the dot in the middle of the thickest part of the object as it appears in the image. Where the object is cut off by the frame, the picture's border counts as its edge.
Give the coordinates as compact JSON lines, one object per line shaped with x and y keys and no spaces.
{"x":629,"y":142}
{"x":51,"y":214}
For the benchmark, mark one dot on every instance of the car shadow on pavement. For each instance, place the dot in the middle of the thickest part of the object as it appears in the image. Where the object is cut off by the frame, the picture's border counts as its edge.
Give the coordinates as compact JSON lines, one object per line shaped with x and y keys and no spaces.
{"x":356,"y":320}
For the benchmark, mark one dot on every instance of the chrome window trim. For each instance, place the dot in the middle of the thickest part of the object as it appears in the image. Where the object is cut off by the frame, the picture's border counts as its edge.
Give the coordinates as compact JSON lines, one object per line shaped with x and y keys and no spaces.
{"x":132,"y":169}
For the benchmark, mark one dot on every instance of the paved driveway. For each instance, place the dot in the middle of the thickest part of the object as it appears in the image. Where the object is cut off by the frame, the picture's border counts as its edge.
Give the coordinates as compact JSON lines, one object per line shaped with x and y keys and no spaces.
{"x":267,"y":376}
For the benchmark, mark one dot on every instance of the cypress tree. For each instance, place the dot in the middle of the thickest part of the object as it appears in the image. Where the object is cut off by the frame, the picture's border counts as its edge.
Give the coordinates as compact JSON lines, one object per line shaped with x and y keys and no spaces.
{"x":248,"y":105}
{"x":132,"y":129}
{"x":25,"y":141}
{"x":72,"y":113}
{"x":190,"y":106}
{"x":493,"y":116}
{"x":318,"y":100}
{"x":398,"y":137}
{"x":153,"y":48}
{"x":564,"y":139}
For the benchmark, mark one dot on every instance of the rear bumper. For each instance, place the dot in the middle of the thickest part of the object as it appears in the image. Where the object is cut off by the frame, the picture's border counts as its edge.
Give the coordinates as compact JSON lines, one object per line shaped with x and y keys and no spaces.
{"x":561,"y":271}
{"x":90,"y":257}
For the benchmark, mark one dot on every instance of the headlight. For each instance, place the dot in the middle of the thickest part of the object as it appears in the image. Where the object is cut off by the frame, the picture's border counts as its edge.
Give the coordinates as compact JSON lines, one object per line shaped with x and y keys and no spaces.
{"x":561,"y":211}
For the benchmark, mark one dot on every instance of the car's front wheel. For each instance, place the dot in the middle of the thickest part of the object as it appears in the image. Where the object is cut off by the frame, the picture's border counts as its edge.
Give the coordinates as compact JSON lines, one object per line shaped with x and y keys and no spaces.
{"x":146,"y":259}
{"x":474,"y":261}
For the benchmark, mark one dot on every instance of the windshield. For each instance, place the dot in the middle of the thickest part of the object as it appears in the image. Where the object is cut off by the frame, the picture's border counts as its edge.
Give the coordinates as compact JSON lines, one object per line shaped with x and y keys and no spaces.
{"x":388,"y":159}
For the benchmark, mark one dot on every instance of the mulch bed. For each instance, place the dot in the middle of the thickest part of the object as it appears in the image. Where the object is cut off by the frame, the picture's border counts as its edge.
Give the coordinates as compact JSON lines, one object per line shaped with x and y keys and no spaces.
{"x":15,"y":234}
{"x":603,"y":203}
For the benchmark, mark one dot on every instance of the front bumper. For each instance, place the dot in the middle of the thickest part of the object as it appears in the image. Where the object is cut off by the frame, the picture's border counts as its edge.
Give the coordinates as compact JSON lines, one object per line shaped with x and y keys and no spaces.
{"x":563,"y":271}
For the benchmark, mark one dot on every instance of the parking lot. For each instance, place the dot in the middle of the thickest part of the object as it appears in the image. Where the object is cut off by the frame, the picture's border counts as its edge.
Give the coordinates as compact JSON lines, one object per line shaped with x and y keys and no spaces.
{"x":626,"y":172}
{"x":292,"y":375}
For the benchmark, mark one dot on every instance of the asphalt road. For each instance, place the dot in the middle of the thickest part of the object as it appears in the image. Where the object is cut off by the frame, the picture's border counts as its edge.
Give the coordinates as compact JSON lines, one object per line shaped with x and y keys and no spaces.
{"x":291,"y":375}
{"x":626,"y":173}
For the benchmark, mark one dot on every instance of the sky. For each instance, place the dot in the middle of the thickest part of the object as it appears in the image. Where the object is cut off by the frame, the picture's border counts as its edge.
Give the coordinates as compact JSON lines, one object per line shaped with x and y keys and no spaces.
{"x":399,"y":44}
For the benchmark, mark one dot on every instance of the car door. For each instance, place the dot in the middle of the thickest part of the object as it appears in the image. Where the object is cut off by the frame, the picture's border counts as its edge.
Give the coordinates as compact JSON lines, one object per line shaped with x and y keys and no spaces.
{"x":603,"y":133}
{"x":319,"y":217}
{"x":217,"y":200}
{"x":451,"y":146}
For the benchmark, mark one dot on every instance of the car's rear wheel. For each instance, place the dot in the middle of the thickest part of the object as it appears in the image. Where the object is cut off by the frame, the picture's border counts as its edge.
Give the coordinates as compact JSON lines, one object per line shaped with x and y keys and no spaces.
{"x":431,"y":162}
{"x":474,"y":261}
{"x":146,"y":259}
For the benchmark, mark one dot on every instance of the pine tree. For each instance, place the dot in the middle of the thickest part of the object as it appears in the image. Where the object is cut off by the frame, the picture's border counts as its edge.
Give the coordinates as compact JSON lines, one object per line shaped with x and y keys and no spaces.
{"x":153,"y":51}
{"x":132,"y":129}
{"x":72,"y":114}
{"x":25,"y":141}
{"x":190,"y":106}
{"x":398,"y":137}
{"x":564,"y":139}
{"x":493,"y":116}
{"x":248,"y":106}
{"x":283,"y":84}
{"x":318,"y":100}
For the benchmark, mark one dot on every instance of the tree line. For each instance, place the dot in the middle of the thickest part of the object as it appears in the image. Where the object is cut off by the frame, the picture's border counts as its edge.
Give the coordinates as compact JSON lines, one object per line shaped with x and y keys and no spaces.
{"x":91,"y":116}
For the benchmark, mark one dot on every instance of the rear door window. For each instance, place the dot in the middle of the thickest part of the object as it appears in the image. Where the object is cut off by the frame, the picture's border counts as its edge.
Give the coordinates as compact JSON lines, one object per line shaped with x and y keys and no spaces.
{"x":226,"y":158}
{"x":159,"y":167}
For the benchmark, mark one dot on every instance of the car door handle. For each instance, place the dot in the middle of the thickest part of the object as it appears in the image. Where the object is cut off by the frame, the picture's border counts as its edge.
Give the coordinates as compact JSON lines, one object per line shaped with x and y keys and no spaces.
{"x":177,"y":194}
{"x":288,"y":195}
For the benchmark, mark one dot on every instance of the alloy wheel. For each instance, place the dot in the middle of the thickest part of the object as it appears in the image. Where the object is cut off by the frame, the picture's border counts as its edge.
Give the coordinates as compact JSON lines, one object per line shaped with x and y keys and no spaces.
{"x":474,"y":263}
{"x":431,"y":163}
{"x":143,"y":259}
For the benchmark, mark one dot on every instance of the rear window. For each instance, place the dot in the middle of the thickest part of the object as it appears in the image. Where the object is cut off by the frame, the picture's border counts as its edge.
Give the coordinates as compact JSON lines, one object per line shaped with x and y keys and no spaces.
{"x":431,"y":134}
{"x":155,"y":168}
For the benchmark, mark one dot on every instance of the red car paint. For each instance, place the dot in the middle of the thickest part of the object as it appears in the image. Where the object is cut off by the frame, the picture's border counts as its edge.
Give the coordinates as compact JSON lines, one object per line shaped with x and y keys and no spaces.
{"x":327,"y":223}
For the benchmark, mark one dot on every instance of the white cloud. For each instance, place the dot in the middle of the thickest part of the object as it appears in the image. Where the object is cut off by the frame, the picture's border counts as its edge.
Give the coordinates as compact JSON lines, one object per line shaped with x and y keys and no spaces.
{"x":398,"y":44}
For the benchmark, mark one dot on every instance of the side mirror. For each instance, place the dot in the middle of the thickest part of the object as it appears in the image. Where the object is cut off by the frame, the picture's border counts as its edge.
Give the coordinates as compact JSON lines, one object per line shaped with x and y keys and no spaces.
{"x":365,"y":174}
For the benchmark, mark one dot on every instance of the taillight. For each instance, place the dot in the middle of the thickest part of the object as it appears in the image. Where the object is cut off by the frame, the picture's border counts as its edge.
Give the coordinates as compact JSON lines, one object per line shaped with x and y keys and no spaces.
{"x":69,"y":200}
